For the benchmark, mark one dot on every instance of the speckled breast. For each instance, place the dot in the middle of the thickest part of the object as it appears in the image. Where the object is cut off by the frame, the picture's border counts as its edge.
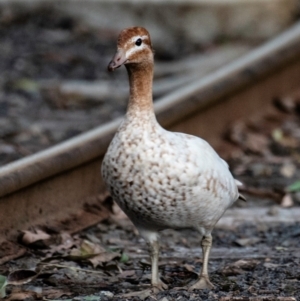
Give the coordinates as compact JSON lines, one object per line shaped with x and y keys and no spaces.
{"x":158,"y":183}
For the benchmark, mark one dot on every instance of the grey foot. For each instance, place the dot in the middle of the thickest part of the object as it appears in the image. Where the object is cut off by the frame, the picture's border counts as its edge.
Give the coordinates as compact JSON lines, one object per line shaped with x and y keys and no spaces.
{"x":160,"y":286}
{"x":202,"y":283}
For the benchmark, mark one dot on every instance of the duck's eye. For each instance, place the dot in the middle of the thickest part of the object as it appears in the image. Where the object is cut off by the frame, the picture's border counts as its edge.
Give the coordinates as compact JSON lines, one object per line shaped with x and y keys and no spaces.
{"x":138,"y":42}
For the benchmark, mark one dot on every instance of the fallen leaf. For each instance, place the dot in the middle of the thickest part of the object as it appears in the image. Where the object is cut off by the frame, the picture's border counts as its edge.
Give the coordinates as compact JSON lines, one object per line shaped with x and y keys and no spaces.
{"x":284,"y":139}
{"x":285,"y":104}
{"x":141,"y":294}
{"x":3,"y":283}
{"x":280,"y":248}
{"x":190,"y":268}
{"x":55,"y":293}
{"x":124,"y":258}
{"x":27,"y":85}
{"x":65,"y":242}
{"x":239,"y":267}
{"x":23,"y":296}
{"x":106,"y":294}
{"x":236,"y":133}
{"x":30,"y":237}
{"x":93,"y":238}
{"x":78,"y":257}
{"x":103,"y":258}
{"x":277,"y":135}
{"x":126,"y":274}
{"x":294,"y":187}
{"x":288,"y":170}
{"x":287,"y":201}
{"x":9,"y":251}
{"x":19,"y":277}
{"x":87,"y":248}
{"x":243,"y":242}
{"x":256,"y":143}
{"x":270,"y":265}
{"x":88,"y":298}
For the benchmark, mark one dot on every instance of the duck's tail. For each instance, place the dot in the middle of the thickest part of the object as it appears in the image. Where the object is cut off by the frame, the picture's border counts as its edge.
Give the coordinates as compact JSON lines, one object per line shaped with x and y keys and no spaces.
{"x":241,"y":197}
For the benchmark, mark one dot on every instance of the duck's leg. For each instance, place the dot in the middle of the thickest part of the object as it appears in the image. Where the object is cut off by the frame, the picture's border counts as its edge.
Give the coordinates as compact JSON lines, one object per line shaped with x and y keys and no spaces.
{"x":156,"y":284}
{"x":203,"y":281}
{"x":154,"y":254}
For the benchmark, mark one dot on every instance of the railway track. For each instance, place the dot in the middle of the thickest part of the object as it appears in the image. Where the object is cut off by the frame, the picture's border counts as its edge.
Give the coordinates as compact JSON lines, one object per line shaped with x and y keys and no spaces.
{"x":52,"y":185}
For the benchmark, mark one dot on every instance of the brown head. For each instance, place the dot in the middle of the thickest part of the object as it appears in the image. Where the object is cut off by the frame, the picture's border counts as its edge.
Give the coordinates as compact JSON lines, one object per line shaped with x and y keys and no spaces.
{"x":134,"y":47}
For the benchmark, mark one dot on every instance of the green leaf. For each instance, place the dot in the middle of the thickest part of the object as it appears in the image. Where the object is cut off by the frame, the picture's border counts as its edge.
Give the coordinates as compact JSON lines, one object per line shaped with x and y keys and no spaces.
{"x":277,"y":135}
{"x":124,"y":258}
{"x":294,"y":187}
{"x":27,"y":85}
{"x":3,"y":283}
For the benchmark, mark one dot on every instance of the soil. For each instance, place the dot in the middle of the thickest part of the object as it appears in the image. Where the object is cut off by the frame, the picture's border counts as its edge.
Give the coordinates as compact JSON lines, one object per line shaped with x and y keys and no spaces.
{"x":268,"y":266}
{"x":40,"y":46}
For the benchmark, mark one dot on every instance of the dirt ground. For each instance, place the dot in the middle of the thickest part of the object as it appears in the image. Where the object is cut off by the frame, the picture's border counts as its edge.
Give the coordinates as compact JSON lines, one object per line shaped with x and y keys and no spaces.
{"x":256,"y":247}
{"x":249,"y":260}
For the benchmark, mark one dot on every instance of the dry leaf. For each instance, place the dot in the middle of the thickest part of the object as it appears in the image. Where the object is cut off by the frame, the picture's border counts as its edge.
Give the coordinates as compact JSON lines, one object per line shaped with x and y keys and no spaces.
{"x":55,"y":293}
{"x":270,"y":265}
{"x":285,"y":104}
{"x":241,"y":135}
{"x":22,"y":296}
{"x":87,"y":248}
{"x":66,"y":242}
{"x":103,"y":258}
{"x":247,"y":241}
{"x":9,"y":251}
{"x":287,"y":201}
{"x":284,"y":139}
{"x":239,"y":267}
{"x":31,"y":237}
{"x":256,"y":143}
{"x":288,"y":170}
{"x":126,"y":274}
{"x":190,"y":268}
{"x":141,"y":294}
{"x":19,"y":277}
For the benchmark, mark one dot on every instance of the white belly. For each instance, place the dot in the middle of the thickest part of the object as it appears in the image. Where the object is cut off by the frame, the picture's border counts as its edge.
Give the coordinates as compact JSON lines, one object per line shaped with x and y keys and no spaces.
{"x":168,"y":183}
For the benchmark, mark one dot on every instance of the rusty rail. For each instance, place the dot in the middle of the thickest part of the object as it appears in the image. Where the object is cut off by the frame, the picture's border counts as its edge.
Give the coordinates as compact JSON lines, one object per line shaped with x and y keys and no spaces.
{"x":57,"y":182}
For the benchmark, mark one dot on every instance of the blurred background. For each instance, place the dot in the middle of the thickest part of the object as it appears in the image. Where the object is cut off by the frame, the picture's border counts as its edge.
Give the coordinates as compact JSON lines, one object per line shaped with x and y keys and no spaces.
{"x":53,"y":57}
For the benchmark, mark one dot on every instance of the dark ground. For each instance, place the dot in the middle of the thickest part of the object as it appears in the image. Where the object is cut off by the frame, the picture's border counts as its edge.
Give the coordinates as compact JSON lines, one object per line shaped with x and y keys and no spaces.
{"x":251,"y":260}
{"x":255,"y":253}
{"x":46,"y":46}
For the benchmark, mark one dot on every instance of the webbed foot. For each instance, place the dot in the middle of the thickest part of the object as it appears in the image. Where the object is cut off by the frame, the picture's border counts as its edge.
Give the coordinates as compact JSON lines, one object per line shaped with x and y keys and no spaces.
{"x":202,"y":283}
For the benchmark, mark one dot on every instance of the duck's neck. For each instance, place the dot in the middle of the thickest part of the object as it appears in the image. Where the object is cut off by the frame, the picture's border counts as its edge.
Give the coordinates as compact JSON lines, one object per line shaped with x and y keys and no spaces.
{"x":140,"y":81}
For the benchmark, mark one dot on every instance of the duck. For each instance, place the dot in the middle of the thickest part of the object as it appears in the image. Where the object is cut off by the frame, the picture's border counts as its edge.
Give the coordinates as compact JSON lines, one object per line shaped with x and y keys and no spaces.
{"x":162,"y":179}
